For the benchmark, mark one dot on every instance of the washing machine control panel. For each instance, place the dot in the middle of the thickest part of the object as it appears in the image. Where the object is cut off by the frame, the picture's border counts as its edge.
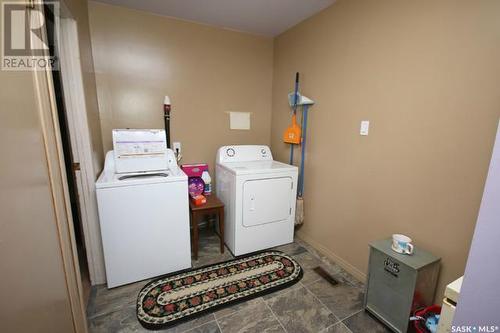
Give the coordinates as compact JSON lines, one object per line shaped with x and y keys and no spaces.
{"x":244,"y":153}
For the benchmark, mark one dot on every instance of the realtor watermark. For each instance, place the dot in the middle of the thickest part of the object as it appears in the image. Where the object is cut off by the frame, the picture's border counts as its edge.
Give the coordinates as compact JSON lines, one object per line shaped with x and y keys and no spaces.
{"x":475,"y":329}
{"x":28,"y":30}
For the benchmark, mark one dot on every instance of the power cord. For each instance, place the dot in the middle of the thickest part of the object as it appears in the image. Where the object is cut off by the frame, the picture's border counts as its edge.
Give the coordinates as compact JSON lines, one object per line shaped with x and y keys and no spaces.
{"x":178,"y":155}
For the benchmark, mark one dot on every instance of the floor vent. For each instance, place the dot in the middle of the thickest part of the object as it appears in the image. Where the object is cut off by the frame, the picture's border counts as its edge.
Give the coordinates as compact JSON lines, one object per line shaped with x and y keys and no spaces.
{"x":325,"y":275}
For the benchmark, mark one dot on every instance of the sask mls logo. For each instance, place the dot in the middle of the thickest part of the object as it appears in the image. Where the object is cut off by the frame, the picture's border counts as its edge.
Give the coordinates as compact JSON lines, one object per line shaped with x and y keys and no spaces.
{"x":28,"y":30}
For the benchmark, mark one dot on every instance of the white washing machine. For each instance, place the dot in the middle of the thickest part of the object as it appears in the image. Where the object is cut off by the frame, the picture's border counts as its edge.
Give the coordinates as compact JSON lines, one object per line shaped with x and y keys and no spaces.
{"x":144,"y":215}
{"x":259,"y":195}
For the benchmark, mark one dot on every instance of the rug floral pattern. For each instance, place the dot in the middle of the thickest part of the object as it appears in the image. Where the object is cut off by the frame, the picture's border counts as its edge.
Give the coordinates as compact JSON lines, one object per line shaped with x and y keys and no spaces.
{"x":168,"y":300}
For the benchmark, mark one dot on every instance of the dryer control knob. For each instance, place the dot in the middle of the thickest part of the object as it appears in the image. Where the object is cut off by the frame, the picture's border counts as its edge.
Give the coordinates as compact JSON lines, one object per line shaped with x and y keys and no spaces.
{"x":230,"y":152}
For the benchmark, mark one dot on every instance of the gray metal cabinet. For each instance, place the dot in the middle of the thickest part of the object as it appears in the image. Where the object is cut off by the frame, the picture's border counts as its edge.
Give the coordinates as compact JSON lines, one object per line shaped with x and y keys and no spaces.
{"x":399,"y":284}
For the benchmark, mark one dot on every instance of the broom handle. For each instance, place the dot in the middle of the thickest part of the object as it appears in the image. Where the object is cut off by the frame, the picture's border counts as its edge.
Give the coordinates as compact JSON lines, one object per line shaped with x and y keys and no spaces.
{"x":295,"y":97}
{"x":303,"y":151}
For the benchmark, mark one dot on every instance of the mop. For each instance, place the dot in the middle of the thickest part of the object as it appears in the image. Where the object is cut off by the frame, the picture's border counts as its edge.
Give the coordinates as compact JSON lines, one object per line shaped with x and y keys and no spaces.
{"x":299,"y":210}
{"x":295,"y":100}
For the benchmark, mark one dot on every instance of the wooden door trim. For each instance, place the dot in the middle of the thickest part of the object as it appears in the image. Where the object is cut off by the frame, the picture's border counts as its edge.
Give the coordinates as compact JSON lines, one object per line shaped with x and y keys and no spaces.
{"x":58,"y":186}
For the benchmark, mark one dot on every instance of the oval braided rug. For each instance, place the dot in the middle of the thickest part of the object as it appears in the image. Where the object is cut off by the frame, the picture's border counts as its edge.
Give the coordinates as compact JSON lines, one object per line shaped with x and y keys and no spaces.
{"x":182,"y":296}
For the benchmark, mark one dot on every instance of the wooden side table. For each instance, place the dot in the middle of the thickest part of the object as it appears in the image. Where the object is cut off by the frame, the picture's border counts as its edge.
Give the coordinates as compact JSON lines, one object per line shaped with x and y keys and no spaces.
{"x":212,"y":206}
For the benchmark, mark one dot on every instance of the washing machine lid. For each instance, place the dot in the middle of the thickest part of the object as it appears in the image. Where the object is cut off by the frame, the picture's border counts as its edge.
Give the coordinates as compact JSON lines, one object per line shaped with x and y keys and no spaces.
{"x":258,"y":167}
{"x":140,"y":150}
{"x":113,"y":179}
{"x":452,"y":290}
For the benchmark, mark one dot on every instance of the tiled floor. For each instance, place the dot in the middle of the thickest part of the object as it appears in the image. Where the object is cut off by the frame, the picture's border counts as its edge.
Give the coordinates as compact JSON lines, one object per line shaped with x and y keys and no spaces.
{"x":312,"y":305}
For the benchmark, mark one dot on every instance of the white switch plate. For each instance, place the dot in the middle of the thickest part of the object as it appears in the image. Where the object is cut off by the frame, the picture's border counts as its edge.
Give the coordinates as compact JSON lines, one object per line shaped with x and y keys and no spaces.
{"x":364,"y":128}
{"x":177,"y":147}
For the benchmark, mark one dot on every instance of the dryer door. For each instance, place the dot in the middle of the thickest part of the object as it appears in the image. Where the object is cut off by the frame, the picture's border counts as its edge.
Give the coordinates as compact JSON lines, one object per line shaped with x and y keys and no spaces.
{"x":267,"y":200}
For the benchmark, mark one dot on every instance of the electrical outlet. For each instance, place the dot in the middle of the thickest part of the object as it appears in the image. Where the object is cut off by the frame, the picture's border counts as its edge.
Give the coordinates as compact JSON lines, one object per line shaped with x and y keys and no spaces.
{"x":177,"y":147}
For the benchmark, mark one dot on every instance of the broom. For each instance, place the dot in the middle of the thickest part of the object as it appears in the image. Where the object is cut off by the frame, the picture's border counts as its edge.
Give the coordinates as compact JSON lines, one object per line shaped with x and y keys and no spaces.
{"x":299,"y":209}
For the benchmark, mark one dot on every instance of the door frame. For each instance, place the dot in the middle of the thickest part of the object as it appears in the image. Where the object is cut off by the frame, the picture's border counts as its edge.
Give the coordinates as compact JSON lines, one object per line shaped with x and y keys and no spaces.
{"x":52,"y":145}
{"x":76,"y":113}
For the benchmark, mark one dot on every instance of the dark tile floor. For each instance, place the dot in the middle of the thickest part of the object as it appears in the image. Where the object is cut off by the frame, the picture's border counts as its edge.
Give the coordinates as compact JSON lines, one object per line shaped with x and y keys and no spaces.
{"x":312,"y":305}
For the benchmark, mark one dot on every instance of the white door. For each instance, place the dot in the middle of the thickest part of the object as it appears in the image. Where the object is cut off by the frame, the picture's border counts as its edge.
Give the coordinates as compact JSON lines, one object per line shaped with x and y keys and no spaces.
{"x":81,"y":147}
{"x":267,"y":200}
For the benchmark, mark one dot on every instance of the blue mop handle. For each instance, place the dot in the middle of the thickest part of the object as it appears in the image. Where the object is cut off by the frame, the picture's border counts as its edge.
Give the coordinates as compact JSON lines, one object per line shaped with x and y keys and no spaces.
{"x":295,"y":98}
{"x":300,"y":190}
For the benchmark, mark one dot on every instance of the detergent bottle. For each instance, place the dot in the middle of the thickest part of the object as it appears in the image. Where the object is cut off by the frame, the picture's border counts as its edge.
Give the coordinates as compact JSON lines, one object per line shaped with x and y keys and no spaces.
{"x":208,"y":183}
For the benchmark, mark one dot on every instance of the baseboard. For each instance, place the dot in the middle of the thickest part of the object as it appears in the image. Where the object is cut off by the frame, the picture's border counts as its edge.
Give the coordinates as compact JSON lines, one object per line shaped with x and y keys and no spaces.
{"x":332,"y":256}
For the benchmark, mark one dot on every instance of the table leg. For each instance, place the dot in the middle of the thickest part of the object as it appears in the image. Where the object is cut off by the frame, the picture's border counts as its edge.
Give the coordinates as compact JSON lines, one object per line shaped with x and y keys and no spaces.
{"x":221,"y":229}
{"x":191,"y":230}
{"x":195,"y":235}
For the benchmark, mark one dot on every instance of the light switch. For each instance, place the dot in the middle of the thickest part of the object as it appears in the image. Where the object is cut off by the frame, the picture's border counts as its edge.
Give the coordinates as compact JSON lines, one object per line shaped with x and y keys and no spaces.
{"x":364,"y":128}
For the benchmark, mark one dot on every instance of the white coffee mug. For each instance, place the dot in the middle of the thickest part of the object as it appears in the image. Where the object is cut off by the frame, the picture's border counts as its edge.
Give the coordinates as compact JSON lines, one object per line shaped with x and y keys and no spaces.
{"x":402,"y":244}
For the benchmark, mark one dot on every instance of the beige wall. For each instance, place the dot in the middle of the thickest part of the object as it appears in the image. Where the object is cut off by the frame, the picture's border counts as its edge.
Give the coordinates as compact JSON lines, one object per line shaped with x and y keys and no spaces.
{"x":206,"y":71}
{"x":426,"y":74}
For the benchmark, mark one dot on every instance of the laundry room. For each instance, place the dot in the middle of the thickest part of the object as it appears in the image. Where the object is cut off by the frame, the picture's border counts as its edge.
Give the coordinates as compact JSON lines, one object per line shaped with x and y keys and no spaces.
{"x":252,"y":166}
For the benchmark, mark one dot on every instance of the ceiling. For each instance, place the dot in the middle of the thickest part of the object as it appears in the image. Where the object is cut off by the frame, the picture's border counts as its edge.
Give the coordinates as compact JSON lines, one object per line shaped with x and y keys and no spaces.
{"x":262,"y":17}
